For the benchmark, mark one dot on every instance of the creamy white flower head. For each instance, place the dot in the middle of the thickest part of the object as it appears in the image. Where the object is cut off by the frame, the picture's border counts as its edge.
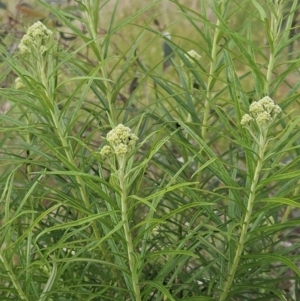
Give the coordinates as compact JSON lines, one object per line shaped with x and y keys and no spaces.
{"x":276,"y":110}
{"x":106,"y":151}
{"x":27,"y":40}
{"x":39,"y":30}
{"x":121,"y":149}
{"x":36,"y":37}
{"x":264,"y":119}
{"x":24,"y":49}
{"x":121,"y":139}
{"x":192,"y":54}
{"x":113,"y":138}
{"x":269,"y":106}
{"x":246,"y":120}
{"x":267,"y":102}
{"x":263,"y":111}
{"x":256,"y":108}
{"x":19,"y":84}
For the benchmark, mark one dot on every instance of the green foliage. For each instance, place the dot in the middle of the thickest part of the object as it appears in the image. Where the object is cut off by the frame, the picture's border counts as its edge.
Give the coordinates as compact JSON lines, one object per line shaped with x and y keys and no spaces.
{"x":200,"y":207}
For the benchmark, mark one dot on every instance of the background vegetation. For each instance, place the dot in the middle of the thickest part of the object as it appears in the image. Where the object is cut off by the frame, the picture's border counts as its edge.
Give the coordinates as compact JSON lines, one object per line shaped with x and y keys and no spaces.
{"x":200,"y":209}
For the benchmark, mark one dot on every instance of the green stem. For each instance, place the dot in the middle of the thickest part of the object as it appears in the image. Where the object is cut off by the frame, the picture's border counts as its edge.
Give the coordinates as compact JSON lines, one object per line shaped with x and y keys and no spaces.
{"x":69,"y":155}
{"x":209,"y":81}
{"x":246,"y":221}
{"x":93,"y":32}
{"x":60,"y":129}
{"x":58,"y":126}
{"x":269,"y":72}
{"x":275,"y":32}
{"x":128,"y":237}
{"x":81,"y":185}
{"x":66,"y":147}
{"x":208,"y":95}
{"x":109,"y":96}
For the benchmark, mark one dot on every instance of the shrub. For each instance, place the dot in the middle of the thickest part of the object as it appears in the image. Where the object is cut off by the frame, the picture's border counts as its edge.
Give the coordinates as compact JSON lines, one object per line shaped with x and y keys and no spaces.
{"x":148,"y":163}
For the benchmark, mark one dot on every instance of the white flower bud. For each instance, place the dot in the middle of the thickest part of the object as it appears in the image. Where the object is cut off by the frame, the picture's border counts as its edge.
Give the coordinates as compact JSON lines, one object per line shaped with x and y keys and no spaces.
{"x":194,"y":55}
{"x":246,"y":120}
{"x":36,"y":37}
{"x":121,"y":139}
{"x":263,"y":111}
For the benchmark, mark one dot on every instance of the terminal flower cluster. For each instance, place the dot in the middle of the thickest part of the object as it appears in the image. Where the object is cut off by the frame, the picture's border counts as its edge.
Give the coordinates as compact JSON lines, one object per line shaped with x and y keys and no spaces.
{"x":263,"y":112}
{"x":37,"y":37}
{"x":121,"y":140}
{"x":193,"y":55}
{"x":19,"y":83}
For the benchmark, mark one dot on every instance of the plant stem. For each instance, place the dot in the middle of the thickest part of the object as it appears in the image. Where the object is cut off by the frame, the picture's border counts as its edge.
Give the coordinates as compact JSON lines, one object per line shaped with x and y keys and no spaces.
{"x":208,"y":95}
{"x":128,"y":237}
{"x":269,"y":72}
{"x":59,"y":126}
{"x":60,"y":130}
{"x":275,"y":32}
{"x":92,"y":25}
{"x":246,"y":221}
{"x":209,"y":81}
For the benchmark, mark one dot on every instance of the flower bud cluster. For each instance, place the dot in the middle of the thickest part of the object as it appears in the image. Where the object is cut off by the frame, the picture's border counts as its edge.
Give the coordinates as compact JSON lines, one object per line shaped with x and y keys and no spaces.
{"x":121,"y":140}
{"x":263,"y":112}
{"x":36,"y":37}
{"x":19,"y":84}
{"x":192,"y":55}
